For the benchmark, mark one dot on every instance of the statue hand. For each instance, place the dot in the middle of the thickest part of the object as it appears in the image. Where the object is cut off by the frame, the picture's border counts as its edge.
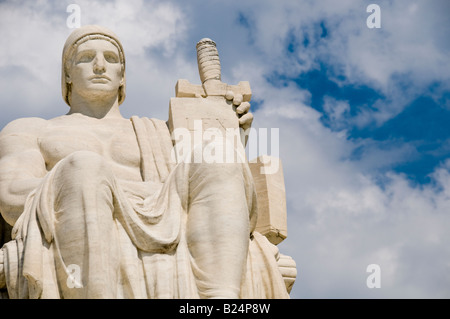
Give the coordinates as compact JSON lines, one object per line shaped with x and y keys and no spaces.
{"x":242,"y":109}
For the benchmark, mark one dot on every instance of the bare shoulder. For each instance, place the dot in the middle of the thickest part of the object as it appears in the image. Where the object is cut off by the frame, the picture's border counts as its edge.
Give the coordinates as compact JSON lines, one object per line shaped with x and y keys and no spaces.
{"x":24,"y":126}
{"x":20,"y":136}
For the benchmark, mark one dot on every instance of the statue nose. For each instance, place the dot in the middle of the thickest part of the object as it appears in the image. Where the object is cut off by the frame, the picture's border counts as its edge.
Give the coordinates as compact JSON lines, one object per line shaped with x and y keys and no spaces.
{"x":99,"y":64}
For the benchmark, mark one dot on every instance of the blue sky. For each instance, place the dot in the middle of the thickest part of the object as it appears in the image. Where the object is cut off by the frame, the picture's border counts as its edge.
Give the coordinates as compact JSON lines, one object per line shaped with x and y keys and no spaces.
{"x":362,"y":113}
{"x":428,"y":136}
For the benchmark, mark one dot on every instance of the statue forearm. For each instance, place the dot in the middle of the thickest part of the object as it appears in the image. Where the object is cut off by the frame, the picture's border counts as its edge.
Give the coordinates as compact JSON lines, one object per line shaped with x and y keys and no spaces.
{"x":22,"y":168}
{"x":13,"y":195}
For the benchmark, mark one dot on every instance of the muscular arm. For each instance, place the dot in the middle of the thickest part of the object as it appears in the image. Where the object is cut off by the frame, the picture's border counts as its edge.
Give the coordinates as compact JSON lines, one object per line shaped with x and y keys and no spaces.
{"x":22,"y":166}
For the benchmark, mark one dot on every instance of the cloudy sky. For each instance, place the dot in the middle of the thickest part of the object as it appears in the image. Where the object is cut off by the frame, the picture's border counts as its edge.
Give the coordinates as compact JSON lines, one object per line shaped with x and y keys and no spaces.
{"x":362,"y":115}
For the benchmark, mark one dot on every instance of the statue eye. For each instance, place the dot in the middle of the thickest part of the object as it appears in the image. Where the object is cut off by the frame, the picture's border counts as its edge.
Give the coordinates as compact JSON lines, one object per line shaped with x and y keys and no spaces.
{"x":85,"y":57}
{"x":111,"y":57}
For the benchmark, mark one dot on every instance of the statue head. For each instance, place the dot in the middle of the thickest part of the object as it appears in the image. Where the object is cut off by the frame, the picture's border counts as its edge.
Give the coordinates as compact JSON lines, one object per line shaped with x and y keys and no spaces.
{"x":89,"y":39}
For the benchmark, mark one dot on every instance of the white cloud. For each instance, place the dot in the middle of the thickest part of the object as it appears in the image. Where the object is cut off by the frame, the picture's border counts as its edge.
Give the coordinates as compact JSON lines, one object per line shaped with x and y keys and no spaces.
{"x":33,"y":35}
{"x":408,"y":53}
{"x":140,"y":24}
{"x":342,"y":217}
{"x":343,"y":214}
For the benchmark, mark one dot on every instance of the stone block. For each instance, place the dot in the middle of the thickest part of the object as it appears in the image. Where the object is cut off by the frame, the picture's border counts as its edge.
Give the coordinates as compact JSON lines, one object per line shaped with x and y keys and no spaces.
{"x":271,"y":197}
{"x":214,"y":112}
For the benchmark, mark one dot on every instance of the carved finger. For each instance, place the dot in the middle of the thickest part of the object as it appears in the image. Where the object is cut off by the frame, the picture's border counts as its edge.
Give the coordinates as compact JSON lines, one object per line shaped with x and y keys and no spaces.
{"x":238,"y":99}
{"x":243,"y":108}
{"x":229,"y":95}
{"x":246,"y":120}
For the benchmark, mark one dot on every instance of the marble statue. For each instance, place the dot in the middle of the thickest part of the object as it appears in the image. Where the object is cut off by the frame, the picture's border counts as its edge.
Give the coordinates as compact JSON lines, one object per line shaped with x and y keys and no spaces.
{"x":99,"y":208}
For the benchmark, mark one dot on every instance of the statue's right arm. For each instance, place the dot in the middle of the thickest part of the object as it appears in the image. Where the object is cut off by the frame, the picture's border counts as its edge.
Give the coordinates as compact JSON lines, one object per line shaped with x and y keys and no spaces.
{"x":22,"y":166}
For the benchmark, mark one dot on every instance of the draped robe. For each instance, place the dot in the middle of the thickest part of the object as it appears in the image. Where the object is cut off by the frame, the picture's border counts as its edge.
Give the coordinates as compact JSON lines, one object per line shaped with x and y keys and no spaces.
{"x":149,"y":236}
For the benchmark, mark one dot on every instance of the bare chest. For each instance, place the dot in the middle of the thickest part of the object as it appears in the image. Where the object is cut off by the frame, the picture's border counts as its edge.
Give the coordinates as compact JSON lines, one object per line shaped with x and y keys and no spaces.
{"x":116,"y":143}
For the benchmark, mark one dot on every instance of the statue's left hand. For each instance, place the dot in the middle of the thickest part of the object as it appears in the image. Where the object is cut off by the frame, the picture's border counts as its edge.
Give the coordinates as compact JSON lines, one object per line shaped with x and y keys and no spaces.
{"x":242,"y":109}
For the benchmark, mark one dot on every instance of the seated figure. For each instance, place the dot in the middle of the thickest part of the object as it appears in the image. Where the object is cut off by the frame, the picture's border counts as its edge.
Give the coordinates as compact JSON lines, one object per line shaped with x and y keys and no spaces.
{"x":100,"y":210}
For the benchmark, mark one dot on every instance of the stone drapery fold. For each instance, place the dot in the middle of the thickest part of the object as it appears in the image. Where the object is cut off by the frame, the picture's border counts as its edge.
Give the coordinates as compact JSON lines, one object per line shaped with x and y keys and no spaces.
{"x":150,"y":220}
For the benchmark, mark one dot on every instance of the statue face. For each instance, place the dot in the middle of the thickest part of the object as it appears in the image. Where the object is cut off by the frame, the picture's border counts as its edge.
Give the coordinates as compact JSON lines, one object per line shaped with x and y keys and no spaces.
{"x":96,"y":70}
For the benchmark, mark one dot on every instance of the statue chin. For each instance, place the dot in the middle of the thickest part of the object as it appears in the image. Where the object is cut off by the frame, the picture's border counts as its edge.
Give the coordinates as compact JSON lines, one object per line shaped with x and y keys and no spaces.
{"x":97,"y":91}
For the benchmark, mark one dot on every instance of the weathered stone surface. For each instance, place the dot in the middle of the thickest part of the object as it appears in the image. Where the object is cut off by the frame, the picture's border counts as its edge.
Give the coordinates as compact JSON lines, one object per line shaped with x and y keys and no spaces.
{"x":100,"y":210}
{"x":212,"y":112}
{"x":271,"y":194}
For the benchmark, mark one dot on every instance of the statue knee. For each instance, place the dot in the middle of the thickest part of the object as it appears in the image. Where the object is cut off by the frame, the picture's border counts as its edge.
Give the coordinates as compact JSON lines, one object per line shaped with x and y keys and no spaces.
{"x":216,"y":159}
{"x":85,"y":160}
{"x":85,"y":167}
{"x":83,"y":180}
{"x":219,"y":176}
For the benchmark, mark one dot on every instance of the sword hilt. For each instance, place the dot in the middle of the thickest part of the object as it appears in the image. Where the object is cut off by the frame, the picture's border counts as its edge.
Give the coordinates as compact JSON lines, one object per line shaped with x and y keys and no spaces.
{"x":210,"y":76}
{"x":208,"y":60}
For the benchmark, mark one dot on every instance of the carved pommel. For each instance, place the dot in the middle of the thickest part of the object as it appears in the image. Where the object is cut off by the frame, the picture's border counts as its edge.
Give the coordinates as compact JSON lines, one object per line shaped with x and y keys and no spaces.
{"x":210,"y":76}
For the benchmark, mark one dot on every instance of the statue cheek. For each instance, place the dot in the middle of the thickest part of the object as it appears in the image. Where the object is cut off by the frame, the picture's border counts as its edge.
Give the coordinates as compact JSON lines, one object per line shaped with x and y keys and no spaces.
{"x":80,"y":74}
{"x":119,"y":72}
{"x":80,"y":70}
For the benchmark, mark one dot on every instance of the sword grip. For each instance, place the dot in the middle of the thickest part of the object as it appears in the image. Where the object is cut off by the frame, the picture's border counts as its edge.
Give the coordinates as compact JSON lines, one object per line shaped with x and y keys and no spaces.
{"x":208,"y":60}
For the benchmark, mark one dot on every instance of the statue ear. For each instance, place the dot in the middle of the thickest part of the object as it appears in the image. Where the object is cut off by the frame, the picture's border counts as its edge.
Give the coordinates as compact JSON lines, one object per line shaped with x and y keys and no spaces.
{"x":122,"y":80}
{"x":122,"y":90}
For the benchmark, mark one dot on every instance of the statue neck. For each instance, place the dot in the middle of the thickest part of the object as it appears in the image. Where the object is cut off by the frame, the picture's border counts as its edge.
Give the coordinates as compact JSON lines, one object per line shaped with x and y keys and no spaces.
{"x":95,"y":107}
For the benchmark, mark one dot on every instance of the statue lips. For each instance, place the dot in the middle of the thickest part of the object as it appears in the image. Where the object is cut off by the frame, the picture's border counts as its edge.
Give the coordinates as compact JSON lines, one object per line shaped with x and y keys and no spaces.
{"x":99,"y":79}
